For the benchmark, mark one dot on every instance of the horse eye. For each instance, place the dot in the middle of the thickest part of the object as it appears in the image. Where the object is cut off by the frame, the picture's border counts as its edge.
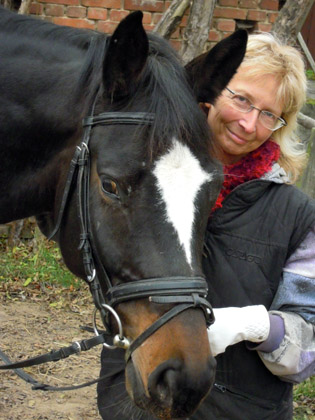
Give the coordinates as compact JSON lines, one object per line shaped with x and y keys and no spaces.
{"x":109,"y":187}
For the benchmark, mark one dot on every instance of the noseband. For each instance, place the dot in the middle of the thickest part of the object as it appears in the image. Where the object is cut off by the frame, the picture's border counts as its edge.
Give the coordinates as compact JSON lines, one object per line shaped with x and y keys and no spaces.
{"x":182,"y":292}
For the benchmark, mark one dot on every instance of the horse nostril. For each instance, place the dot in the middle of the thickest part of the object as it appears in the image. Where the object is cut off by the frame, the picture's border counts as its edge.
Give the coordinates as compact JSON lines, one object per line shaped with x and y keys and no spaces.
{"x":177,"y":388}
{"x":163,"y":382}
{"x":166,"y":385}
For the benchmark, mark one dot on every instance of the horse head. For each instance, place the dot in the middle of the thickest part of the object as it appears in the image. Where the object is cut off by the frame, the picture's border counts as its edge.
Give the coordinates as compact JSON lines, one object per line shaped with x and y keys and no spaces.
{"x":151,"y":189}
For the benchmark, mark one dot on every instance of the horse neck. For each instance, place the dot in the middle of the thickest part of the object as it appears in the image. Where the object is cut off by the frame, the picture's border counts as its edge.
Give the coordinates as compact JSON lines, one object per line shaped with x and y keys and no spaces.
{"x":39,"y":131}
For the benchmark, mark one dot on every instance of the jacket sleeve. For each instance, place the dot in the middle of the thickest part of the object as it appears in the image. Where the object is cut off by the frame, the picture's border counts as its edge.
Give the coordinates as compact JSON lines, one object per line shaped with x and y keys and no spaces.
{"x":293,"y":359}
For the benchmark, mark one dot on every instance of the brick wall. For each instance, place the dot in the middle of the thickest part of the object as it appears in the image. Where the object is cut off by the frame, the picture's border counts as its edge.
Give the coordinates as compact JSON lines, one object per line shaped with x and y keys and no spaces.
{"x":104,"y":15}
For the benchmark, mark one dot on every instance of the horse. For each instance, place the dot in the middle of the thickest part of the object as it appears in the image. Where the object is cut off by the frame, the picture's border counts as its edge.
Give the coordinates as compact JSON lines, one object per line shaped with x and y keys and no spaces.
{"x":103,"y":141}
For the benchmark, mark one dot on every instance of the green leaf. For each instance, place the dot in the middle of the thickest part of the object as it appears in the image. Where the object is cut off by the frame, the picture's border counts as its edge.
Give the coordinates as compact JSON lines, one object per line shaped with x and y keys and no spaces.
{"x":27,"y":281}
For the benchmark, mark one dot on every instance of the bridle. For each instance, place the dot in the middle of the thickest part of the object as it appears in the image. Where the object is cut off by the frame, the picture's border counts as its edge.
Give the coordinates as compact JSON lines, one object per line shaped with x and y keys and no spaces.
{"x":183,"y":292}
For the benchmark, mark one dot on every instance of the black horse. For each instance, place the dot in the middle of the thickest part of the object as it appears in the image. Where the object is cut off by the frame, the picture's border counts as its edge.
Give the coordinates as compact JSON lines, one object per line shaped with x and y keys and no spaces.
{"x":148,"y":182}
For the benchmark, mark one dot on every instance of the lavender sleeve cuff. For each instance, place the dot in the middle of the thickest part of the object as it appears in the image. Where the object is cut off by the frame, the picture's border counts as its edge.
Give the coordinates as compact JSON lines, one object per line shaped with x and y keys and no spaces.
{"x":276,"y":335}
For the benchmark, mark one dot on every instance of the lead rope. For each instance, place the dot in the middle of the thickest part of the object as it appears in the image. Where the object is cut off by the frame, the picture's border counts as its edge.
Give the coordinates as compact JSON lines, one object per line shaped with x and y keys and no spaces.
{"x":54,"y":356}
{"x":39,"y":386}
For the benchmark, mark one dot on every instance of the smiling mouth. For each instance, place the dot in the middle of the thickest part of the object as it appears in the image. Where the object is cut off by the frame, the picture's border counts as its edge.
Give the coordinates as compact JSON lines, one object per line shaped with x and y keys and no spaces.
{"x":236,"y":138}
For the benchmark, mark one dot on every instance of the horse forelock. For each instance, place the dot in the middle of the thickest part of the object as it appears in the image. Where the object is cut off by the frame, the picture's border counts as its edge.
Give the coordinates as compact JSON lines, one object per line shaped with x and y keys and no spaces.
{"x":164,"y":91}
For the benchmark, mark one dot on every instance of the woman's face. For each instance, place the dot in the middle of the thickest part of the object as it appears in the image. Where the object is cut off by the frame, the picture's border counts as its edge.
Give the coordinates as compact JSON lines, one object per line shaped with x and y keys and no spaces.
{"x":237,"y":133}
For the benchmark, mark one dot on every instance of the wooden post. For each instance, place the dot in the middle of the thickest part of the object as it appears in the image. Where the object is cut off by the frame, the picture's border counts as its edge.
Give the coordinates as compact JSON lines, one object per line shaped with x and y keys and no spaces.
{"x":197,"y":29}
{"x":24,"y":8}
{"x":291,"y":19}
{"x":171,"y":18}
{"x":307,"y":183}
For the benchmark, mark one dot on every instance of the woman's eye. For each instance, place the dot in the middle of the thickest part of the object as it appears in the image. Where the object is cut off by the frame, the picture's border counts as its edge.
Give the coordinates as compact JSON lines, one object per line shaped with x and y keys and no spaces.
{"x":269,"y":115}
{"x":241,"y":99}
{"x":110,"y":187}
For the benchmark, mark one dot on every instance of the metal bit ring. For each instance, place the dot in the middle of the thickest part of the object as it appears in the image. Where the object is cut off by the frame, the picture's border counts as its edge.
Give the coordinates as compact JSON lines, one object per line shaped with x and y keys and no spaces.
{"x":120,"y":334}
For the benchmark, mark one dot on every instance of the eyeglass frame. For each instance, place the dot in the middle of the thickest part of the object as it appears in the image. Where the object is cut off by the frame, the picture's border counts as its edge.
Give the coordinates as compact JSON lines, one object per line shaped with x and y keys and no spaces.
{"x":251,"y":107}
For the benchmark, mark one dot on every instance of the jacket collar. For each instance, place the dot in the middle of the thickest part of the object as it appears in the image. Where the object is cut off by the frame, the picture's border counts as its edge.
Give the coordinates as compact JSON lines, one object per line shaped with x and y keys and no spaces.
{"x":277,"y":174}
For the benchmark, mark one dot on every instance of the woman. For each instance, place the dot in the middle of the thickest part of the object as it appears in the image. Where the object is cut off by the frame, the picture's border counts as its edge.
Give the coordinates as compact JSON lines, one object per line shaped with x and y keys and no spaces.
{"x":260,"y":240}
{"x":259,"y":256}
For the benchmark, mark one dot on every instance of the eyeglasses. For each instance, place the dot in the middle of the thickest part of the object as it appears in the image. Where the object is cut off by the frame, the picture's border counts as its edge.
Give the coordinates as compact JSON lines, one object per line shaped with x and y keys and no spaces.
{"x":268,"y":119}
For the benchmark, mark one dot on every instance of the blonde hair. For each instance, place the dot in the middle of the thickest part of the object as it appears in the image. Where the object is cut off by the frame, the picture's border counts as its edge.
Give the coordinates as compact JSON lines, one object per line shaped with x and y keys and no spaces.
{"x":265,"y":54}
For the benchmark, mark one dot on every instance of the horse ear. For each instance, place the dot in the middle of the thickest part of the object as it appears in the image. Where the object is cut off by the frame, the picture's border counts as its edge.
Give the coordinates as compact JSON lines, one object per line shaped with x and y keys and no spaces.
{"x":209,"y":73}
{"x":126,"y":56}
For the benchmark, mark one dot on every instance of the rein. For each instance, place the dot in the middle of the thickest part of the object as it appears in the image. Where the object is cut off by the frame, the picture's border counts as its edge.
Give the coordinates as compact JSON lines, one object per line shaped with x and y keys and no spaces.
{"x":183,"y":292}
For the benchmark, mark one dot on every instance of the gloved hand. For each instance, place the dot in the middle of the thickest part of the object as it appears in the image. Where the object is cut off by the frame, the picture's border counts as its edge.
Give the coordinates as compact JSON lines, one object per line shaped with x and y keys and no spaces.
{"x":233,"y":325}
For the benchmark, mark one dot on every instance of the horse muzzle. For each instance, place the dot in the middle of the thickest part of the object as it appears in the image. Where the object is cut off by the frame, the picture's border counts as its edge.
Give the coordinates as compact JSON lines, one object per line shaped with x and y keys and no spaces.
{"x":171,"y":373}
{"x":174,"y":390}
{"x":177,"y":390}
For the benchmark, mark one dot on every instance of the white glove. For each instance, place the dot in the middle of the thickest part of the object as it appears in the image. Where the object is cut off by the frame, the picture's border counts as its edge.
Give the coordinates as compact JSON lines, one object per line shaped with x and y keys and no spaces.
{"x":233,"y":325}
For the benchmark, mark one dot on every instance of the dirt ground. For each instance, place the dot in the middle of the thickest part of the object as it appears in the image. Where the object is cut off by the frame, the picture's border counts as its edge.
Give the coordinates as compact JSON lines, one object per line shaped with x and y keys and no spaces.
{"x":33,"y":322}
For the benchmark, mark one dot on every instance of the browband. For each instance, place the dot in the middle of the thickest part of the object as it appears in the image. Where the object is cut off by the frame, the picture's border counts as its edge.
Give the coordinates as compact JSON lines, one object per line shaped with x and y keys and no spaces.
{"x":114,"y":118}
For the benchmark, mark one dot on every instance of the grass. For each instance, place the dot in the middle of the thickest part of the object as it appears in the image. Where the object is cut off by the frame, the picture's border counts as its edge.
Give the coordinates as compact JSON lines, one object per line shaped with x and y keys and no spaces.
{"x":35,"y":261}
{"x":39,"y":262}
{"x":310,"y":74}
{"x":304,"y":400}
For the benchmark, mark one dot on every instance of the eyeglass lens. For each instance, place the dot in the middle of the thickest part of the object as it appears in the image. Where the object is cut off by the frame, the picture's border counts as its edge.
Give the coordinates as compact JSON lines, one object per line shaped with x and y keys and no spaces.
{"x":268,"y":119}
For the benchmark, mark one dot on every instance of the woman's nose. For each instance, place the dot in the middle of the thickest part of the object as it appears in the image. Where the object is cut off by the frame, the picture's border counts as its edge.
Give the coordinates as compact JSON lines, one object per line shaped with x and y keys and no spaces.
{"x":249,"y":121}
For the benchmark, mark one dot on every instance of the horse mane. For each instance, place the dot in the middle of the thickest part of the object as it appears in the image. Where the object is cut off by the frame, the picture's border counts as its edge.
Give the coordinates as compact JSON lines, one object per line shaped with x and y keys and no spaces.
{"x":171,"y":99}
{"x":163,"y":89}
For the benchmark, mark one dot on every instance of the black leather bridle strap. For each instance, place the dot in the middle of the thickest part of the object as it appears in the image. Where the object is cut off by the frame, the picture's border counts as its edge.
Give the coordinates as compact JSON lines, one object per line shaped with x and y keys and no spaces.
{"x":56,"y":355}
{"x":45,"y":387}
{"x":176,"y":310}
{"x":23,"y":375}
{"x":165,"y":286}
{"x":69,"y":182}
{"x":87,"y":243}
{"x":114,"y":118}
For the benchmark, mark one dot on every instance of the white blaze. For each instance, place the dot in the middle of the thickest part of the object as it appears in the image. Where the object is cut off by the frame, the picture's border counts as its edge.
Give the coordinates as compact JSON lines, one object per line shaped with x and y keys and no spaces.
{"x":179,"y":177}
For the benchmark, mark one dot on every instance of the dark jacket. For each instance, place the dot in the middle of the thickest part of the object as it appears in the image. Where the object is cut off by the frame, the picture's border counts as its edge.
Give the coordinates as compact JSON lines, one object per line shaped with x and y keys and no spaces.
{"x":247,"y":244}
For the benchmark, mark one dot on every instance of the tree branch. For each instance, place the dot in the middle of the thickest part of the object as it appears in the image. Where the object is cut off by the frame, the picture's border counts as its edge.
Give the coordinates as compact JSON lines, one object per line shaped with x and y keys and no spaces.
{"x":24,"y":8}
{"x":291,"y":19}
{"x":305,"y":121}
{"x":197,"y":29}
{"x":171,"y":18}
{"x":307,"y":181}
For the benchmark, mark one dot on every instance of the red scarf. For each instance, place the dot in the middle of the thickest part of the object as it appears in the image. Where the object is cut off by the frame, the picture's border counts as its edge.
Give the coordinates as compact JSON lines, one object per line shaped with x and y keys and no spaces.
{"x":252,"y":166}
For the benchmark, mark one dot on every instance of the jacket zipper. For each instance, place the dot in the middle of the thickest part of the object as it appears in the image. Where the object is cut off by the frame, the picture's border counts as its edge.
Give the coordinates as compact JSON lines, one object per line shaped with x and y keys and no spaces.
{"x":206,"y":250}
{"x":220,"y":387}
{"x":260,"y":401}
